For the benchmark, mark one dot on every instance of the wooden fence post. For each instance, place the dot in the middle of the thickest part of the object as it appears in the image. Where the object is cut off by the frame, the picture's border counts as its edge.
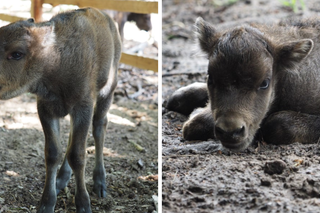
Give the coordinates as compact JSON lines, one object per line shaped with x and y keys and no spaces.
{"x":36,"y":10}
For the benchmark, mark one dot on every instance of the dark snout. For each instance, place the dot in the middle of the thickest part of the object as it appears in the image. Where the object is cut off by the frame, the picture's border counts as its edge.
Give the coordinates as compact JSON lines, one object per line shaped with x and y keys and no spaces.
{"x":231,"y":131}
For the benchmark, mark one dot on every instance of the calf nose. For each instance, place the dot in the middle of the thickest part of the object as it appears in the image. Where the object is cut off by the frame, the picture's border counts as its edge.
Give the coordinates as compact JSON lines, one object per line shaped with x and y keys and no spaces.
{"x":234,"y":128}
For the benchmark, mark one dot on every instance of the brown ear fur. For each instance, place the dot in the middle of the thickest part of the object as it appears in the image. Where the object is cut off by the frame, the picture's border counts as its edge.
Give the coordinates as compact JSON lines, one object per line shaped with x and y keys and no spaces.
{"x":206,"y":34}
{"x":293,"y":52}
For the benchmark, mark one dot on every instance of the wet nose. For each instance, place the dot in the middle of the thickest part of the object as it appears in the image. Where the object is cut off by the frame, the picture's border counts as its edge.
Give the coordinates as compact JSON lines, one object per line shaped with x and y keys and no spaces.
{"x":232,"y":127}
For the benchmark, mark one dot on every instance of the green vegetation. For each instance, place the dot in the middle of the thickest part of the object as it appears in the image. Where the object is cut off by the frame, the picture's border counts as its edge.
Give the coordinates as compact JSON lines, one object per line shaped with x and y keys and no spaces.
{"x":293,"y":4}
{"x":223,"y":2}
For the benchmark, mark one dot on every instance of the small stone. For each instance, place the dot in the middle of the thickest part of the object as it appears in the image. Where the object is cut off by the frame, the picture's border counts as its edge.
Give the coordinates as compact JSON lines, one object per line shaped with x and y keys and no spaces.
{"x":275,"y":167}
{"x":265,"y":182}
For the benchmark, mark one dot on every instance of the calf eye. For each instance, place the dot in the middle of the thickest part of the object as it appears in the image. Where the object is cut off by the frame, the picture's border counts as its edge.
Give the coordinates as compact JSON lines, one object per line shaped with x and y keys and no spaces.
{"x":15,"y":56}
{"x":264,"y":84}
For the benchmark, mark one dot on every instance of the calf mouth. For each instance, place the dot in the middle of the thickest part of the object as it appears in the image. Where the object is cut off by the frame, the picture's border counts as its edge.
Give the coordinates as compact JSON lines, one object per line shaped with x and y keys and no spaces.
{"x":235,"y":145}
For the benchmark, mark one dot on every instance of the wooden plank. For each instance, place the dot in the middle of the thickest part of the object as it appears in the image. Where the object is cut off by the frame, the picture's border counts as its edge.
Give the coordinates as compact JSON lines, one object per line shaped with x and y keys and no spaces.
{"x":140,"y":62}
{"x":10,"y":18}
{"x":36,"y":10}
{"x":119,"y":5}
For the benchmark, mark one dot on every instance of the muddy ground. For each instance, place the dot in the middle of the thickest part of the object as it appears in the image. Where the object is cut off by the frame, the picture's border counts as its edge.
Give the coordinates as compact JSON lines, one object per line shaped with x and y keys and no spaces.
{"x":196,"y":177}
{"x":130,"y":156}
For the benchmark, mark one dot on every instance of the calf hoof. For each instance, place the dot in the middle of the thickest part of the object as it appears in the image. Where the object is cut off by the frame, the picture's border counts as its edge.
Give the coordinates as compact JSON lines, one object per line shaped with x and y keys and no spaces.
{"x":100,"y":189}
{"x":200,"y":126}
{"x":83,"y":204}
{"x":62,"y":182}
{"x":99,"y":182}
{"x":188,"y":98}
{"x":48,"y":201}
{"x":45,"y":209}
{"x":84,"y":210}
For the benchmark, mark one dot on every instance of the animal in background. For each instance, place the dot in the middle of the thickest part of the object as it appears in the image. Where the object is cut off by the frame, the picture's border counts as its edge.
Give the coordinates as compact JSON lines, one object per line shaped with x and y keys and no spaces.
{"x":143,"y":21}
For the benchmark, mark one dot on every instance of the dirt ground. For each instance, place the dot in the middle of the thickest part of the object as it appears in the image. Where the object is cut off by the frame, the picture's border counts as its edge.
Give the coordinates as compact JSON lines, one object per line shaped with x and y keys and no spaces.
{"x":196,"y":177}
{"x":130,"y":155}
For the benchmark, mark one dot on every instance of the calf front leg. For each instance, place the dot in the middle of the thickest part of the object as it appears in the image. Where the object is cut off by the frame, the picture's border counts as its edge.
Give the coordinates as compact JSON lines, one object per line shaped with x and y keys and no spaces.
{"x":286,"y":127}
{"x":51,"y":131}
{"x":81,"y":117}
{"x":188,"y":98}
{"x":200,"y":125}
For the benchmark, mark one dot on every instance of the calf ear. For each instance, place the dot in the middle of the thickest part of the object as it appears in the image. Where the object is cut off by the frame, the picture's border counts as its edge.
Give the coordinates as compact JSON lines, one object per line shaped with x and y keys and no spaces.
{"x":44,"y":35}
{"x":31,"y":20}
{"x":206,"y":34}
{"x":292,"y":53}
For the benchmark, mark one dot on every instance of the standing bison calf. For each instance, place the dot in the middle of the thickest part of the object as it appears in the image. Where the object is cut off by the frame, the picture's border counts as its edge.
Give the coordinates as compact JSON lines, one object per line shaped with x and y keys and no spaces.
{"x":70,"y":63}
{"x":263,"y":83}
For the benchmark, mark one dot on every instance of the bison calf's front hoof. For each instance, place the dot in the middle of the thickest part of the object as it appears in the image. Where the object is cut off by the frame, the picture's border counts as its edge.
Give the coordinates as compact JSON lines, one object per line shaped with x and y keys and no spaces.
{"x":82,"y":201}
{"x":45,"y":209}
{"x":200,"y":125}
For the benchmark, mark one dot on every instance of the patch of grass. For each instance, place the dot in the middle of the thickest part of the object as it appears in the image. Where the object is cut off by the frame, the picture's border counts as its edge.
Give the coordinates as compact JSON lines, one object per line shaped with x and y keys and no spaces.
{"x":293,"y":4}
{"x":224,"y":2}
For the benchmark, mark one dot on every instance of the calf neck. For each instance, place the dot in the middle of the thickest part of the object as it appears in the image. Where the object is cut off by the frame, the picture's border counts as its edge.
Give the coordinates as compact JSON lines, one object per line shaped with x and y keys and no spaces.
{"x":70,"y":63}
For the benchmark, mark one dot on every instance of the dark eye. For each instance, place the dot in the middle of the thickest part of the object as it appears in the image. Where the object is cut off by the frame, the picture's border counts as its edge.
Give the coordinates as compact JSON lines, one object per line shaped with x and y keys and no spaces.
{"x":15,"y":56}
{"x":264,"y":84}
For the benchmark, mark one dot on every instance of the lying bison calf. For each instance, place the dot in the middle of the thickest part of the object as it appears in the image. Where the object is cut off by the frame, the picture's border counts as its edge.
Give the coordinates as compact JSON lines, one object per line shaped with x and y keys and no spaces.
{"x":262,"y":81}
{"x":70,"y":63}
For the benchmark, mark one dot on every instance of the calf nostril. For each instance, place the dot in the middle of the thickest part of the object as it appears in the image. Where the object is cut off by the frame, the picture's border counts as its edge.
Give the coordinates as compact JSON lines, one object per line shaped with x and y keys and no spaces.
{"x":239,"y":132}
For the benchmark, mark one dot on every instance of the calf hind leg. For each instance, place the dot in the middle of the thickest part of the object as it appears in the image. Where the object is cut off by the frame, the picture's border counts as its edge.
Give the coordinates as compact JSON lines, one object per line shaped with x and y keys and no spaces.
{"x":64,"y":174}
{"x":99,"y":126}
{"x":286,"y":127}
{"x":81,"y":117}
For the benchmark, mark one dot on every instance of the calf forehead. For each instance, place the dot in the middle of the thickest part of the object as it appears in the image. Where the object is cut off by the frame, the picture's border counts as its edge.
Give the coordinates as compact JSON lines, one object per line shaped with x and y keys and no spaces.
{"x":240,"y":55}
{"x":13,"y":32}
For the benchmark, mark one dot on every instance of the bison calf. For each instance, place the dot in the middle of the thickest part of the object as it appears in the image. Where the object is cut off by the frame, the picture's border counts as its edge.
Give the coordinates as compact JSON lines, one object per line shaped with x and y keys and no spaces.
{"x":262,"y":81}
{"x":70,"y":63}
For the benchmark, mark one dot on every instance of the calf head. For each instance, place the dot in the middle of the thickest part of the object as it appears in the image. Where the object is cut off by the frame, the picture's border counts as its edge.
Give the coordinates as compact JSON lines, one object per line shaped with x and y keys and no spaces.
{"x":22,"y":46}
{"x":242,"y":74}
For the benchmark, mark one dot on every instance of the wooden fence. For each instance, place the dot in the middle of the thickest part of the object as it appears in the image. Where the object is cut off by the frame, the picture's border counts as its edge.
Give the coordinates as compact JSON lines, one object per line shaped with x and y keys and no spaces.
{"x":119,"y":5}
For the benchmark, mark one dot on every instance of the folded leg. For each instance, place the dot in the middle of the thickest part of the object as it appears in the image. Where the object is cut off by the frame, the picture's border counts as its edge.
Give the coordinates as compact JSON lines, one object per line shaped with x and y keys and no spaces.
{"x":286,"y":127}
{"x":200,"y":125}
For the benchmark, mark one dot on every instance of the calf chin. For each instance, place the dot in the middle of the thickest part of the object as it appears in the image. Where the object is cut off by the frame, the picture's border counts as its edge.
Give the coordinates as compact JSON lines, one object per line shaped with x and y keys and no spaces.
{"x":237,"y":145}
